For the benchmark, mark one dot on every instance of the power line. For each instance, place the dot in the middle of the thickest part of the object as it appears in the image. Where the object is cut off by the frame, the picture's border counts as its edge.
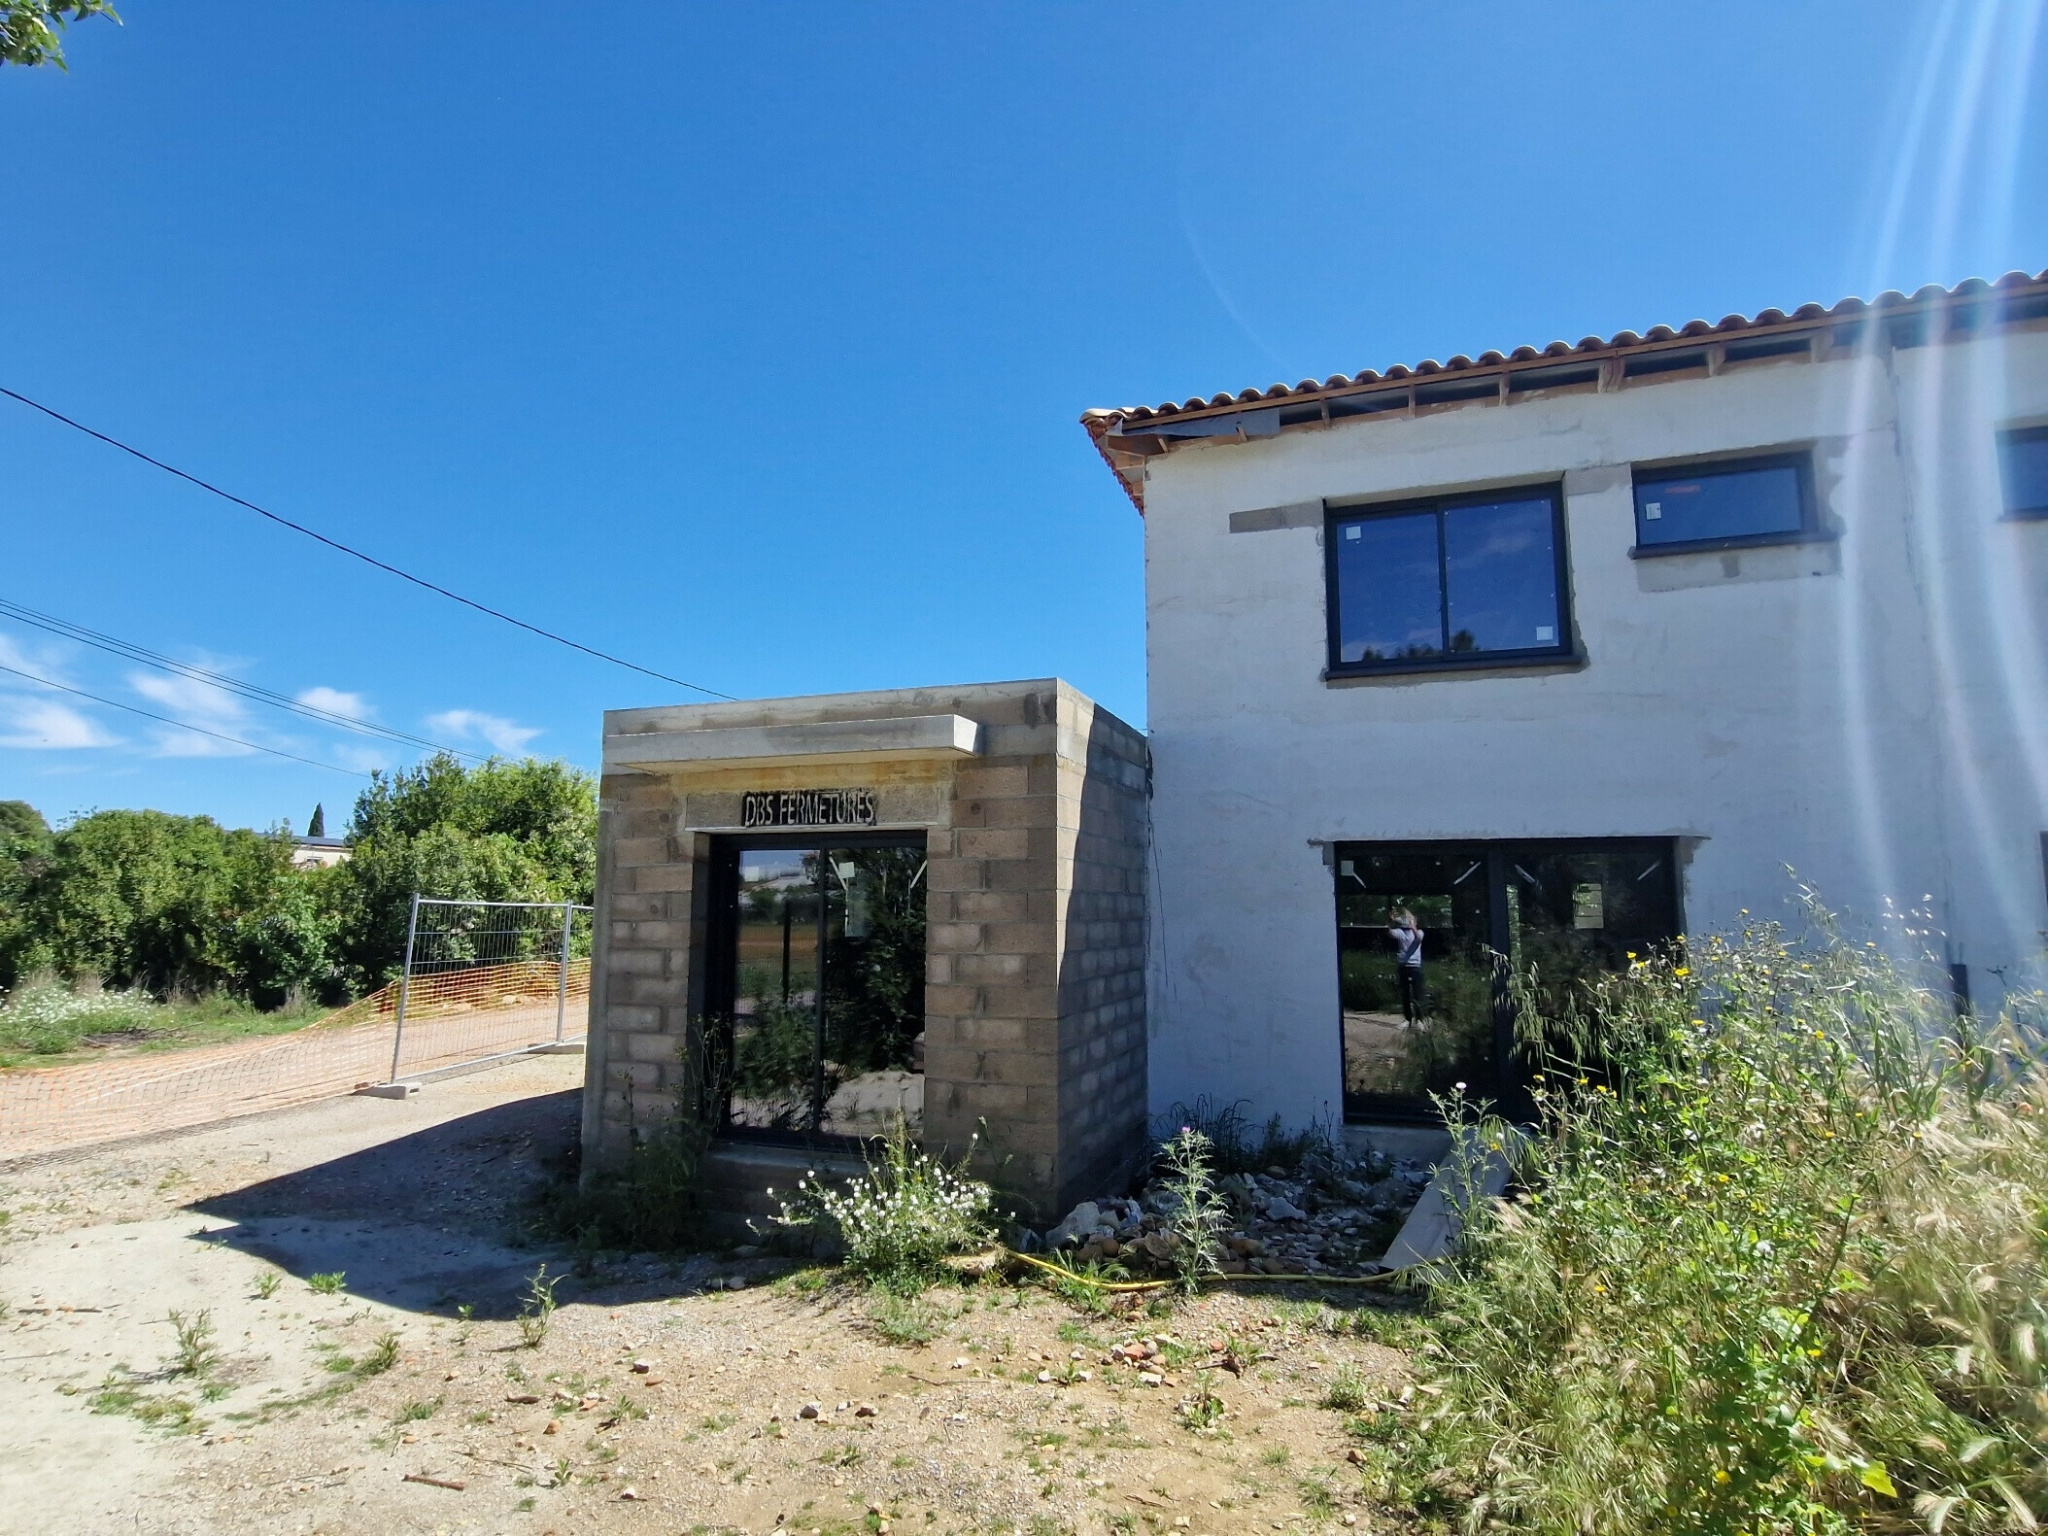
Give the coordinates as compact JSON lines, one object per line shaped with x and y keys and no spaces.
{"x":183,"y":725}
{"x":235,"y":685}
{"x":337,"y":545}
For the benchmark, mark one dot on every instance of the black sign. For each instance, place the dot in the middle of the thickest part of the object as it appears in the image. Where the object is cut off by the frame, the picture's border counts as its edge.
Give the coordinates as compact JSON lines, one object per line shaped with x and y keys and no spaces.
{"x":808,"y":808}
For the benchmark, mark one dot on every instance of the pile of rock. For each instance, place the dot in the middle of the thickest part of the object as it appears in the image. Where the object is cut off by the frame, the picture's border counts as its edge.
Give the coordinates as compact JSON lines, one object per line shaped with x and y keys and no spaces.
{"x":1331,"y":1214}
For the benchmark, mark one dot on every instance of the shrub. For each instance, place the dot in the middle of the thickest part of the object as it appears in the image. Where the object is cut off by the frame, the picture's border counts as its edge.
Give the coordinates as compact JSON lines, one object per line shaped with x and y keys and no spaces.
{"x":900,"y":1220}
{"x":1779,"y":1266}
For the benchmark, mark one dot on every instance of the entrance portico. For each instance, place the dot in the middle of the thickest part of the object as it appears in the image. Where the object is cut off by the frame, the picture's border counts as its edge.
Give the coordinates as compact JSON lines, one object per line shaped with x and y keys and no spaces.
{"x":925,"y":901}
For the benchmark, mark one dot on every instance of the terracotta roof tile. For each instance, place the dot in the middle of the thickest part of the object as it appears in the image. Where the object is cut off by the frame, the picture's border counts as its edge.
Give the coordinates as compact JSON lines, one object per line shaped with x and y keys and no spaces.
{"x":1128,"y":421}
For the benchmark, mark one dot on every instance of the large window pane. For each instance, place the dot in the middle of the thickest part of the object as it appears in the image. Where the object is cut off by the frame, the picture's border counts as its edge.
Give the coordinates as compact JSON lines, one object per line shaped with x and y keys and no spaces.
{"x":1723,"y":504}
{"x":1500,"y":560}
{"x":1389,"y":604}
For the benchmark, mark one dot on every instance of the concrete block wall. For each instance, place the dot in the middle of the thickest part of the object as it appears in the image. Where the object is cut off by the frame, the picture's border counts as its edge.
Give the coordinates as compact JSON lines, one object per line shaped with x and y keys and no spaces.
{"x":1103,"y":819}
{"x":1035,"y":942}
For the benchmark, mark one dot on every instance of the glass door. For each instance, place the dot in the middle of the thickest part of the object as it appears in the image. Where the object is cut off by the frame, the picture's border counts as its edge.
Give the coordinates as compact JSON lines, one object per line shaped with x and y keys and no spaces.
{"x":1414,"y":944}
{"x":1427,"y":934}
{"x":817,"y":984}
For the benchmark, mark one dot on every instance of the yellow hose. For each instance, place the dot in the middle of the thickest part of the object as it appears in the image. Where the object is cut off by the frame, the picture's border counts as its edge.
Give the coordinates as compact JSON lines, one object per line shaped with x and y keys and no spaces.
{"x":1217,"y":1279}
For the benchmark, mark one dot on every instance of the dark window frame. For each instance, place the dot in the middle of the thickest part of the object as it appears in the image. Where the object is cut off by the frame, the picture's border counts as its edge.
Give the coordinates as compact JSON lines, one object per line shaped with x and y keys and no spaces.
{"x":2007,"y":511}
{"x":1811,"y":530}
{"x":1564,"y":652}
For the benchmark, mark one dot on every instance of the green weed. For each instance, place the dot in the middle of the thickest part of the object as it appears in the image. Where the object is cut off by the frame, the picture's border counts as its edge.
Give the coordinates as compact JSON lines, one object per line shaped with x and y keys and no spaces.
{"x":537,"y":1310}
{"x":196,"y":1353}
{"x":382,"y":1356}
{"x":329,"y":1284}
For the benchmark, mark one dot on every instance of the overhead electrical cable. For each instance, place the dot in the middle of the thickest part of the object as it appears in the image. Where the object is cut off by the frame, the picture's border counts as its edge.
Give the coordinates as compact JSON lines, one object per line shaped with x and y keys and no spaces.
{"x":337,"y":545}
{"x":183,"y":725}
{"x":235,"y":685}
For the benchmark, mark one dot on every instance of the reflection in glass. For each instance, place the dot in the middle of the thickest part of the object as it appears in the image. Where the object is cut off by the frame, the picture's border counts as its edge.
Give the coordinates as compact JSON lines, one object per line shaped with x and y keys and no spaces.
{"x":774,"y":1040}
{"x":1578,"y":913}
{"x":1730,"y":504}
{"x":844,"y":1057}
{"x":1389,"y":589}
{"x":1389,"y":1055}
{"x":874,"y":991}
{"x":1500,"y":565}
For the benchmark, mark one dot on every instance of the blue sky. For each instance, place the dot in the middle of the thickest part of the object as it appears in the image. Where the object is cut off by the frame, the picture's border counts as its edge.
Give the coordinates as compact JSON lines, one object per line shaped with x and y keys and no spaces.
{"x":749,"y":341}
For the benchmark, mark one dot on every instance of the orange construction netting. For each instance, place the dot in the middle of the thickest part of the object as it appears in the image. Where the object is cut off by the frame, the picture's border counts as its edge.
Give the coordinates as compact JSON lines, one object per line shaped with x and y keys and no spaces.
{"x":452,"y":1017}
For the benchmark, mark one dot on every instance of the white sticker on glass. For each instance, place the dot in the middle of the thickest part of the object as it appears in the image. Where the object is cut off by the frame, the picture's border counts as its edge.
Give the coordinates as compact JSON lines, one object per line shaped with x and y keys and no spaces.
{"x":1351,"y":532}
{"x":1546,"y":631}
{"x":1652,"y":510}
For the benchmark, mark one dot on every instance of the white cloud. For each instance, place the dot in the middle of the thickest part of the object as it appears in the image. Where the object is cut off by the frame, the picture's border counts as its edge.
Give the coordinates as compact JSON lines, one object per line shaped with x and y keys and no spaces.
{"x":336,"y":702}
{"x":38,"y":725}
{"x":474,"y":725}
{"x":188,"y":698}
{"x":42,"y":663}
{"x":172,"y":742}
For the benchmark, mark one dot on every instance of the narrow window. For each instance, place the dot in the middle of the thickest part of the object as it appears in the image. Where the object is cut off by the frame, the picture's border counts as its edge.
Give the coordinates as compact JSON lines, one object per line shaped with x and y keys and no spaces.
{"x":1717,"y":505}
{"x":1466,"y":581}
{"x":2023,"y":467}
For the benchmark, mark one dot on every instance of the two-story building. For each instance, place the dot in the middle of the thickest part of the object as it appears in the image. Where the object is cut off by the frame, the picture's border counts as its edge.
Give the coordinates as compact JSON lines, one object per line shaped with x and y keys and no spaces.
{"x":1554,"y":655}
{"x":1567,"y":651}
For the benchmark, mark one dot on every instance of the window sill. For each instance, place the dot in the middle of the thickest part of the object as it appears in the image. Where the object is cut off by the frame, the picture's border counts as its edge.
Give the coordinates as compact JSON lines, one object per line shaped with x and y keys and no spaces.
{"x":1746,"y":541}
{"x":1481,"y":666}
{"x":2024,"y":515}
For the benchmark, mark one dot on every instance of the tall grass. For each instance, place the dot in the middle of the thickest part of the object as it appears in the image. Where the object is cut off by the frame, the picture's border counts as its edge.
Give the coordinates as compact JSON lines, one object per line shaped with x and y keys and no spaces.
{"x":1777,"y":1266}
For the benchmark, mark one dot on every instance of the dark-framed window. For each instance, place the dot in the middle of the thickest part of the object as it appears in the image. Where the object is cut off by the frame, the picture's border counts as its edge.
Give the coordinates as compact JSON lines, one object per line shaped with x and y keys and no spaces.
{"x":1450,"y":582}
{"x":2023,"y":471}
{"x":1725,"y":504}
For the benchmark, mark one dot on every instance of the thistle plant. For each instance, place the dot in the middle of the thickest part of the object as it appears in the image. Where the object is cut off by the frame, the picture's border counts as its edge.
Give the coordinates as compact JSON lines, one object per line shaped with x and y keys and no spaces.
{"x":1198,"y":1211}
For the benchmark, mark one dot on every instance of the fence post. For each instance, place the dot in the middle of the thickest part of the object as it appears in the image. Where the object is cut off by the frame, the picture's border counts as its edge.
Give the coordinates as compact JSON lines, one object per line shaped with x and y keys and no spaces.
{"x":412,"y":928}
{"x":562,"y":987}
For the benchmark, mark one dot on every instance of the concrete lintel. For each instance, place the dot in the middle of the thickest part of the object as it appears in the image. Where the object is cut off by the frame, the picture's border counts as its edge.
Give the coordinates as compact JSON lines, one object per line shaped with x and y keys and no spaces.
{"x":849,"y":741}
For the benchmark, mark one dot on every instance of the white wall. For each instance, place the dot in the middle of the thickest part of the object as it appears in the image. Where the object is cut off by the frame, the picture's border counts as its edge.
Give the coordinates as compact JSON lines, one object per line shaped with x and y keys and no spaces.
{"x":1870,"y":712}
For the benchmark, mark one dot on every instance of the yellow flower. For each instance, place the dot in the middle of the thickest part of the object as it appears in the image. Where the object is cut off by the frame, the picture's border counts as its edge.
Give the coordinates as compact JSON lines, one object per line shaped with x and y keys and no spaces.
{"x":1720,"y":1476}
{"x":1683,"y":970}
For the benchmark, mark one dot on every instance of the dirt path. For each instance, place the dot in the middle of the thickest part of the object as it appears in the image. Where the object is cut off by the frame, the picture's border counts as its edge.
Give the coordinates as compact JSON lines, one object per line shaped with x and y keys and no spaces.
{"x":659,"y":1400}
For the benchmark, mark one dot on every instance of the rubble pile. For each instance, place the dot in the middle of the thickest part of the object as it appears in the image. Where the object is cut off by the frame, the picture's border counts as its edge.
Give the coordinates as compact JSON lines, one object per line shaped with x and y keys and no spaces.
{"x":1333,"y":1214}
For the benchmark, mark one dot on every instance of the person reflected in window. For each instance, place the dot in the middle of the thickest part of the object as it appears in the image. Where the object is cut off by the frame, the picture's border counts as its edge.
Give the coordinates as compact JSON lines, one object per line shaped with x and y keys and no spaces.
{"x":1407,"y":936}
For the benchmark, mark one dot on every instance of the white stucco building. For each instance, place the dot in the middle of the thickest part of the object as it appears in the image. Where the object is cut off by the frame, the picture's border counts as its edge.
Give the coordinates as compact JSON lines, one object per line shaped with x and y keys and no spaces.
{"x":1566,"y":651}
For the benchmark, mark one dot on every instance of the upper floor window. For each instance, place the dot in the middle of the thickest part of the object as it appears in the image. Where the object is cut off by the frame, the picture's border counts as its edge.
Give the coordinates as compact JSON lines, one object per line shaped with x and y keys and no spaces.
{"x":1458,"y":581}
{"x":2023,"y":467}
{"x":1725,"y":502}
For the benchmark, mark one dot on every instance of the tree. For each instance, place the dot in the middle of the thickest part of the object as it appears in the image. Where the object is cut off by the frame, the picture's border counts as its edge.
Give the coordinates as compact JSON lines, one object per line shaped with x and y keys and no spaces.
{"x":317,"y":827}
{"x":149,"y":900}
{"x":523,"y":831}
{"x":29,"y":29}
